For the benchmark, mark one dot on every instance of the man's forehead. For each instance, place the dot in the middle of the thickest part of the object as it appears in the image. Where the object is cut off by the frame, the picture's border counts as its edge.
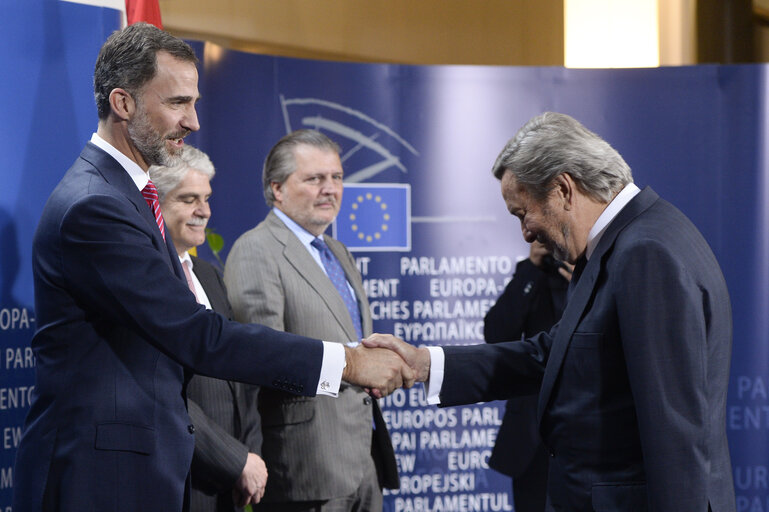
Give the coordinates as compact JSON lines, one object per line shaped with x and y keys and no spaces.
{"x":193,"y":179}
{"x":177,"y":73}
{"x":311,"y":159}
{"x":309,"y":149}
{"x":510,"y":184}
{"x":165,"y":59}
{"x":515,"y":194}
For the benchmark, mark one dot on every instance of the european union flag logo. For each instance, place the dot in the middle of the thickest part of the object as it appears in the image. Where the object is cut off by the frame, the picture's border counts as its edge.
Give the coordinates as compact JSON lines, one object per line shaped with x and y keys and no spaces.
{"x":375,"y":217}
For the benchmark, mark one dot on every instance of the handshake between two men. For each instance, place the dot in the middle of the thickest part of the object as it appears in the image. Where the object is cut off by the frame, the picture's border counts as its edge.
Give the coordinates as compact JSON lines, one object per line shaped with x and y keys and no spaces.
{"x":383,"y":363}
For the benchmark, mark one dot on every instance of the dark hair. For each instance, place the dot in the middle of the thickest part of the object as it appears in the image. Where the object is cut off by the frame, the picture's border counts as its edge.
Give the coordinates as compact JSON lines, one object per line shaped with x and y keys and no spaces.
{"x":280,"y":162}
{"x":128,"y":60}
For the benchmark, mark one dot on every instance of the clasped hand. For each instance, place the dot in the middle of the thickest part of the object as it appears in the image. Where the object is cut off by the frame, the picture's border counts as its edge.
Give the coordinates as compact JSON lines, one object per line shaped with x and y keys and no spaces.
{"x":383,"y":363}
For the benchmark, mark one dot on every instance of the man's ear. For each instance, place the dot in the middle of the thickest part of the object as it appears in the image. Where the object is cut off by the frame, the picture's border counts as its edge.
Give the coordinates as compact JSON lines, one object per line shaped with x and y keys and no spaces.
{"x":276,"y":191}
{"x":122,"y":103}
{"x":564,"y":188}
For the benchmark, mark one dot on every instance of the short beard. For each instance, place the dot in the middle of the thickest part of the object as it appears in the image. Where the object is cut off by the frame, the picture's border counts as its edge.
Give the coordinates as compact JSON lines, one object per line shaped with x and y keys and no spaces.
{"x":149,"y":142}
{"x":560,"y":252}
{"x":319,"y":225}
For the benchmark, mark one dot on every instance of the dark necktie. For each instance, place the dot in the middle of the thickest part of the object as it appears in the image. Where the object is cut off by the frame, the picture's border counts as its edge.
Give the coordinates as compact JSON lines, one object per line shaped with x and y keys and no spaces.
{"x":150,"y":194}
{"x":336,"y":274}
{"x":578,"y":268}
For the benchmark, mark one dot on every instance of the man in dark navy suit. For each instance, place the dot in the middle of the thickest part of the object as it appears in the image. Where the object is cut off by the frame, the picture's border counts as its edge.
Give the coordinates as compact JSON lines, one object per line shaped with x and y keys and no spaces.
{"x":633,"y":379}
{"x":118,"y":329}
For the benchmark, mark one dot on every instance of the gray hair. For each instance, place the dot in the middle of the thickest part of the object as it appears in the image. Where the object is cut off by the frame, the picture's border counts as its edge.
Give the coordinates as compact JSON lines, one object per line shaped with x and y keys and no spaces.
{"x":128,"y":60}
{"x":167,"y":178}
{"x":551,"y":144}
{"x":280,"y":162}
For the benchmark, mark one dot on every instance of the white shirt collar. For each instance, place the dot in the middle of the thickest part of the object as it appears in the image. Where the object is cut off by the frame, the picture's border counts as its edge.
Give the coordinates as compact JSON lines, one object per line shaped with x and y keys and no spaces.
{"x":200,"y":292}
{"x":185,"y":257}
{"x":139,"y":177}
{"x":305,"y":238}
{"x":611,"y":211}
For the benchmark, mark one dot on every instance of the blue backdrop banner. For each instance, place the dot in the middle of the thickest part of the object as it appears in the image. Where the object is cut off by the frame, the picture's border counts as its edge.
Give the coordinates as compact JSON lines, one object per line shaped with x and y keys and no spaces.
{"x":696,"y":134}
{"x":421,"y":211}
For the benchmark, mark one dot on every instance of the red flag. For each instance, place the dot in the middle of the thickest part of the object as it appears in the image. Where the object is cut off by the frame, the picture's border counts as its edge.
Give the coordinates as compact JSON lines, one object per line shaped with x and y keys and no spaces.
{"x":143,"y":10}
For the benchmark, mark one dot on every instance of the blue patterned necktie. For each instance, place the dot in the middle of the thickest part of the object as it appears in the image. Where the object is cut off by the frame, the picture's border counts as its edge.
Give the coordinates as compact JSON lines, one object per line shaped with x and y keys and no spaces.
{"x":336,"y":274}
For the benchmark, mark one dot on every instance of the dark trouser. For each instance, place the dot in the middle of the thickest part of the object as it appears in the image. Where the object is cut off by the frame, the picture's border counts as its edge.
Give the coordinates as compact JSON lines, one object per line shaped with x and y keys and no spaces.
{"x":530,"y":488}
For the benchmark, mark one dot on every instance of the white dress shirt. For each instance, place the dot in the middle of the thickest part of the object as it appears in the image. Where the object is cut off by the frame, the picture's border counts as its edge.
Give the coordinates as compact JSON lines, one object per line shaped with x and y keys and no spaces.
{"x":200,"y":293}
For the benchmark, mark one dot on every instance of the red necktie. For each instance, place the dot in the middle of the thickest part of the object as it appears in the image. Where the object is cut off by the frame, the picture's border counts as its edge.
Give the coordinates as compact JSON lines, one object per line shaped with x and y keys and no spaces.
{"x":150,"y":194}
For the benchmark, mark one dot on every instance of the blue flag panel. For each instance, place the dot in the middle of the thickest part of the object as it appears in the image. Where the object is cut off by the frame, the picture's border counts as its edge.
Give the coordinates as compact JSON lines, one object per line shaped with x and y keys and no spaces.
{"x":375,"y":218}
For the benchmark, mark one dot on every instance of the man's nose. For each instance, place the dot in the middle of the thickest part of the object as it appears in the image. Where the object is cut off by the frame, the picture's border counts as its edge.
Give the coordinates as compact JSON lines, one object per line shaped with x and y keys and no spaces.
{"x":529,"y":236}
{"x":203,"y":210}
{"x":330,"y":187}
{"x":190,"y":120}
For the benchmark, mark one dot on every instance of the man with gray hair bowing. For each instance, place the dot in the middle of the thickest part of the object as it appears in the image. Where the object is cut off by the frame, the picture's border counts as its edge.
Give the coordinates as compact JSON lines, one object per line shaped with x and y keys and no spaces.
{"x":632,"y":381}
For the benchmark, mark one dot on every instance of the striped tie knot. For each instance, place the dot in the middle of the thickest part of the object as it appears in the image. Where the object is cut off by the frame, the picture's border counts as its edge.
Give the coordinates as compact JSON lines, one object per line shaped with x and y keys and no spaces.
{"x":150,"y":193}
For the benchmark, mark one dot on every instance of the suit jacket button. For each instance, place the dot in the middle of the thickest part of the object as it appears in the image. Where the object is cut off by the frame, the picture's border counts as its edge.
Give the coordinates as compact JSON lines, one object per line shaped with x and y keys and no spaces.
{"x":191,"y":429}
{"x":367,"y":401}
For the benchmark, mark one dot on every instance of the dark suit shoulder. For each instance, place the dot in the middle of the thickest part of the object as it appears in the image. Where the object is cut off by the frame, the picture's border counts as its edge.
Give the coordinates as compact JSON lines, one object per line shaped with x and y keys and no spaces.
{"x":665,"y":227}
{"x":200,"y":265}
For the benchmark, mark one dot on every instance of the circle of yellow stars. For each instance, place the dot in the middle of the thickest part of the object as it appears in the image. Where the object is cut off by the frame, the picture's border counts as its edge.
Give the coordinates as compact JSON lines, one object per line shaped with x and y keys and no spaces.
{"x":376,"y":235}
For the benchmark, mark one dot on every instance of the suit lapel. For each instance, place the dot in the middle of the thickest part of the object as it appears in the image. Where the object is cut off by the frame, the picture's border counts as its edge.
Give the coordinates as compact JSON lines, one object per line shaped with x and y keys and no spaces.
{"x":208,"y":280}
{"x":584,"y":290}
{"x":175,"y":263}
{"x":114,"y":174}
{"x":300,"y":258}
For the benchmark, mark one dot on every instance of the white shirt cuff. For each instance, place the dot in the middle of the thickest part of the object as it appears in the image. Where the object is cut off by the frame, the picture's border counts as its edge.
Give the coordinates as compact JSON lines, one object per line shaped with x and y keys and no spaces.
{"x":331,"y":369}
{"x":435,"y":382}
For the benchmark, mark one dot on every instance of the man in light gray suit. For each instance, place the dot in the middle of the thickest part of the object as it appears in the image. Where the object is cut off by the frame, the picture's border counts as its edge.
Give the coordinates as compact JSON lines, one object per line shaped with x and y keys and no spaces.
{"x":323,"y":454}
{"x":227,"y":472}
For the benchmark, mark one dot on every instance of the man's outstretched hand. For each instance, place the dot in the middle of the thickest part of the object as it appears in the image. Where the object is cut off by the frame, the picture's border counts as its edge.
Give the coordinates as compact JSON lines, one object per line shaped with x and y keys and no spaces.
{"x":377,"y":369}
{"x":418,"y":359}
